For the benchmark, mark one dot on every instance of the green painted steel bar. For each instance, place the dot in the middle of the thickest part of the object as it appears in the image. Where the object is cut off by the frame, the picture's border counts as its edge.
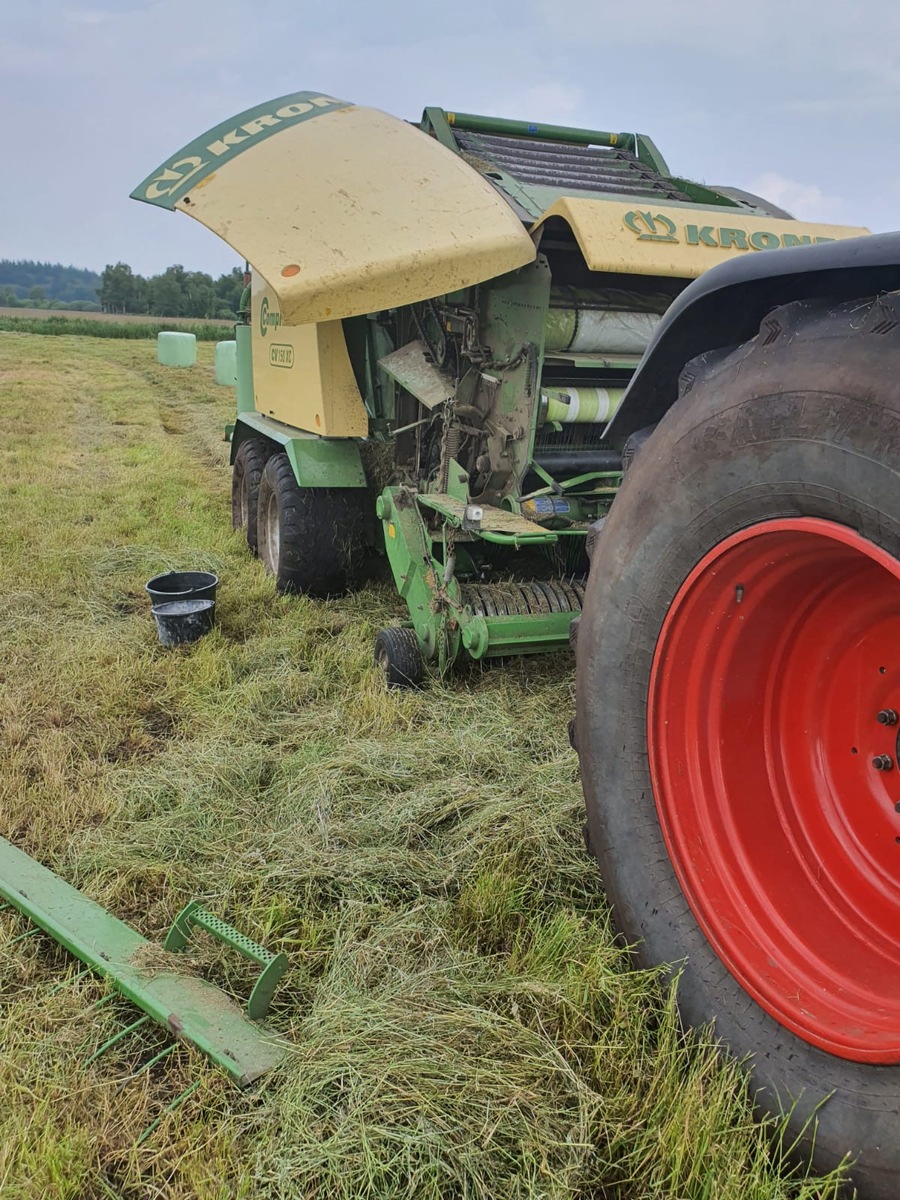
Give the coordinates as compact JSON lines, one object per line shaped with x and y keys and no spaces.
{"x":499,"y":536}
{"x":188,"y":1007}
{"x":246,"y":401}
{"x":553,"y":133}
{"x":490,"y":637}
{"x":273,"y":965}
{"x":517,"y":539}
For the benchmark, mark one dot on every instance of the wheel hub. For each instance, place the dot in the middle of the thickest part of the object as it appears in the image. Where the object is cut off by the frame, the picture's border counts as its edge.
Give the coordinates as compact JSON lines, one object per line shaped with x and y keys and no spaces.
{"x":773,"y":698}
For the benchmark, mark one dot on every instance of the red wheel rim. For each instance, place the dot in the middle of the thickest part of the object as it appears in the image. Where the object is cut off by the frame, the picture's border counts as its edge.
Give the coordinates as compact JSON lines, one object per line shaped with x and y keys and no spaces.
{"x":776,"y":659}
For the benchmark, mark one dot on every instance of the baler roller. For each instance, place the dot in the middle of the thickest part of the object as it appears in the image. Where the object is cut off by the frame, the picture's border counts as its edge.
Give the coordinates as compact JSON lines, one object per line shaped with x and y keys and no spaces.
{"x":522,"y":599}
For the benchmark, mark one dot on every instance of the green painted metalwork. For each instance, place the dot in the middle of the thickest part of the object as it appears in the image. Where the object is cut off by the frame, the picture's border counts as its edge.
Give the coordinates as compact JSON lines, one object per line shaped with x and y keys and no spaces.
{"x":418,"y":575}
{"x":647,"y":152}
{"x":502,"y":537}
{"x":492,"y":637}
{"x":246,"y":401}
{"x":705,"y":195}
{"x":435,"y":121}
{"x":273,"y":965}
{"x":550,"y":133}
{"x":191,"y":1009}
{"x":207,"y":153}
{"x":536,"y":198}
{"x":444,"y":624}
{"x":317,"y":461}
{"x":326,"y":462}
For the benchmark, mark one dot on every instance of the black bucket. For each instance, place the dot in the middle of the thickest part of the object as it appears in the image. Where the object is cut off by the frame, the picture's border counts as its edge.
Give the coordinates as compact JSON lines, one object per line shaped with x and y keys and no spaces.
{"x":182,"y":621}
{"x":182,"y":585}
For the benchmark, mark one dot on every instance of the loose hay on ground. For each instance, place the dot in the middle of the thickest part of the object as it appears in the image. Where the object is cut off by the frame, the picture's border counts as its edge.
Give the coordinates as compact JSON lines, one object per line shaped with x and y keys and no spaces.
{"x":463,"y":1023}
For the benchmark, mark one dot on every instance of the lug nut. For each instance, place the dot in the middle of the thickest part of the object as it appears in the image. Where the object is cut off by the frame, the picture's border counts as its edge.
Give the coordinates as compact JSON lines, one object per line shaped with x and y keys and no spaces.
{"x":888,"y":716}
{"x":882,"y":762}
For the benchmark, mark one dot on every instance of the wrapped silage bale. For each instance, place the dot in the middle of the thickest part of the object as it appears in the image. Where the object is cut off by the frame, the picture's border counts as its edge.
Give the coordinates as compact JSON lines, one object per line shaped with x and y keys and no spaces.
{"x":176,"y":349}
{"x":226,"y":363}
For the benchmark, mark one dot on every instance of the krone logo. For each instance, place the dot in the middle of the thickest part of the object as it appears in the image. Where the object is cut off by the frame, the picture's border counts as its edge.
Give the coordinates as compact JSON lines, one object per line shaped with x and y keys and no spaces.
{"x":649,"y":228}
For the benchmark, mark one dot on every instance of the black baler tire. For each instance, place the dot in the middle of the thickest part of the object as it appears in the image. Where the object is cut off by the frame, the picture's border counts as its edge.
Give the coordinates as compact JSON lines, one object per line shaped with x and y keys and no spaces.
{"x":249,"y":464}
{"x":398,"y":654}
{"x":322,"y":547}
{"x":804,"y":420}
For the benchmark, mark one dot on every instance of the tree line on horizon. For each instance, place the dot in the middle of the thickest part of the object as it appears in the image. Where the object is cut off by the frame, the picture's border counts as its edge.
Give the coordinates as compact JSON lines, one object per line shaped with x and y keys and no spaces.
{"x":174,"y":292}
{"x":24,"y":282}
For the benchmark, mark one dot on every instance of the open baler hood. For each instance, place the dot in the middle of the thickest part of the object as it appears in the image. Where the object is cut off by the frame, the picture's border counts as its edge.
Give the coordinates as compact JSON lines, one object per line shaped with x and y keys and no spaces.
{"x":343,"y":210}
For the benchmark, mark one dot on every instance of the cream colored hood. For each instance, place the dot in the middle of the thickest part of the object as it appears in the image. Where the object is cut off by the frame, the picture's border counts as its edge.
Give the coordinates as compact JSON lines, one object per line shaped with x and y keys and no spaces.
{"x":343,"y":210}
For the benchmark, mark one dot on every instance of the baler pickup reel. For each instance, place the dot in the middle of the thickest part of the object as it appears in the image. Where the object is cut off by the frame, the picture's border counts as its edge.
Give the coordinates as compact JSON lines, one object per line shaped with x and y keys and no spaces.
{"x":187,"y":1007}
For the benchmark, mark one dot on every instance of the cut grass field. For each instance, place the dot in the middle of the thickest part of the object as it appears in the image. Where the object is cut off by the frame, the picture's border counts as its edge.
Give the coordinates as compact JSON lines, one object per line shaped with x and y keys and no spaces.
{"x":67,"y":323}
{"x":115,"y":318}
{"x":462,"y":1023}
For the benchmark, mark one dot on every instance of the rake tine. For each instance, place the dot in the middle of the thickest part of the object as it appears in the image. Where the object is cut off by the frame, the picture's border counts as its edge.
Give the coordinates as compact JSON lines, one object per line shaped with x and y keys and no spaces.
{"x":116,"y":1037}
{"x":170,"y":1108}
{"x":22,"y":936}
{"x":103,"y":1000}
{"x":147,"y":1065}
{"x":58,"y":987}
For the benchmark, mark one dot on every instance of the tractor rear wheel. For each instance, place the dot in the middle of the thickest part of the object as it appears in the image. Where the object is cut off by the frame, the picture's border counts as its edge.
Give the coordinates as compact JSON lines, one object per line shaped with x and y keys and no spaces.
{"x":311,"y":539}
{"x":737,"y":717}
{"x":249,"y":464}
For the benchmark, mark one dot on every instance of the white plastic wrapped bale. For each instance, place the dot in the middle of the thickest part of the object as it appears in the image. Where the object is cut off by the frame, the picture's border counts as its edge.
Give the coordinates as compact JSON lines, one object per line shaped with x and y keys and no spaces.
{"x":580,"y":405}
{"x":596,"y":330}
{"x":602,"y":321}
{"x":226,"y":363}
{"x":176,"y":349}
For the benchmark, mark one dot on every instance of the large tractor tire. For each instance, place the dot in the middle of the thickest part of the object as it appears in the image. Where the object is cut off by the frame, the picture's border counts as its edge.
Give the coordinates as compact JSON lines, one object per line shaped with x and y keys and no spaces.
{"x":313,"y":540}
{"x":249,"y":464}
{"x":737,"y":717}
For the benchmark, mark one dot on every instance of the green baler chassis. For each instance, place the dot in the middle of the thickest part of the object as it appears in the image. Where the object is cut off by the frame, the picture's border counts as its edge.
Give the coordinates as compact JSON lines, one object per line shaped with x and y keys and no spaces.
{"x":484,"y":621}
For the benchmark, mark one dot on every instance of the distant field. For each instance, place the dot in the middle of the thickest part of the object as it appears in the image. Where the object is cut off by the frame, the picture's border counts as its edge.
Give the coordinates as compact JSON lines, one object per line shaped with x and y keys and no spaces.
{"x":51,"y":323}
{"x":43,"y":314}
{"x":462,"y":1023}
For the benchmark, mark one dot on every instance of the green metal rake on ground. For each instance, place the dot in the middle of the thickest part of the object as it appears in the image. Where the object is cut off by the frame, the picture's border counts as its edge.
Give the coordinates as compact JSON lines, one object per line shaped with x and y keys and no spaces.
{"x":189,"y":1008}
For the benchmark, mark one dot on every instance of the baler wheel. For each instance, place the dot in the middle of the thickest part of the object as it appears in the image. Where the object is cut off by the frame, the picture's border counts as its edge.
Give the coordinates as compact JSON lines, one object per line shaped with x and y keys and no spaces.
{"x":249,"y":464}
{"x":311,"y":539}
{"x":397,"y":653}
{"x":737,"y":697}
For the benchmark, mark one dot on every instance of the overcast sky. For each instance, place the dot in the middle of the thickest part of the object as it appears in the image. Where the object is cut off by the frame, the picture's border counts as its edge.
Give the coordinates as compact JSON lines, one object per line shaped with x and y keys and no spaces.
{"x":795,"y":99}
